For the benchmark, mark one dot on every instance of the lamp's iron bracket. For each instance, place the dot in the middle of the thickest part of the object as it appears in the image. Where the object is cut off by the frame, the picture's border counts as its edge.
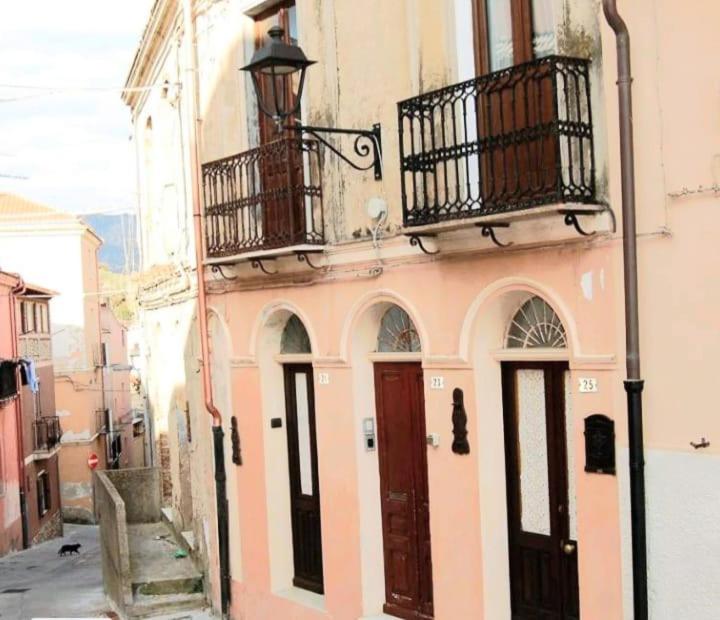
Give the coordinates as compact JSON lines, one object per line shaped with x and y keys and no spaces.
{"x":368,"y":143}
{"x":218,"y":269}
{"x":571,"y":219}
{"x":304,"y":258}
{"x":257,"y":263}
{"x":488,"y":230}
{"x":416,"y":240}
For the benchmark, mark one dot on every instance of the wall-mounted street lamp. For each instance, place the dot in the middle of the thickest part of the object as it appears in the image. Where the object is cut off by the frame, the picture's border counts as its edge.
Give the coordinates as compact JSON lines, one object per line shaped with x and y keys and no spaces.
{"x":274,"y":68}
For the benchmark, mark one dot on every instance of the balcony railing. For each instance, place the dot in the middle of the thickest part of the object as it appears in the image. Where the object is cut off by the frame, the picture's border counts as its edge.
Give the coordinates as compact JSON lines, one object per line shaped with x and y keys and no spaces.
{"x":266,"y":198}
{"x":47,"y":433}
{"x":507,"y":141}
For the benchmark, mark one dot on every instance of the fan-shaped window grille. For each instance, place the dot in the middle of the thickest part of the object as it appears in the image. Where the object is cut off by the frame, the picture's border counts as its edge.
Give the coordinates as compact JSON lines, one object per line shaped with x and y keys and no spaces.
{"x":536,"y":324}
{"x":397,"y":333}
{"x":295,"y":338}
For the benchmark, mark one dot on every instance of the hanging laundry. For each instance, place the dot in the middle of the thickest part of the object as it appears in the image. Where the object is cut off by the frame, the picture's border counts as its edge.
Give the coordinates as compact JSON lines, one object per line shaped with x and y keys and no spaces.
{"x":29,"y":375}
{"x":8,"y":379}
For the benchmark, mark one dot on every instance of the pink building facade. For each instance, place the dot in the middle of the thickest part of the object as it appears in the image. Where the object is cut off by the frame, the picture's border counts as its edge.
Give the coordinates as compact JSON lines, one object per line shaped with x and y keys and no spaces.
{"x":421,"y":372}
{"x":11,"y":529}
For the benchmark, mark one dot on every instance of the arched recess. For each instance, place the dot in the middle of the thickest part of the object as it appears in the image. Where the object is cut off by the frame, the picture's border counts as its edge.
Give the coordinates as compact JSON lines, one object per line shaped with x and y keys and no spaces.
{"x":220,"y":355}
{"x":365,"y":332}
{"x":273,"y":317}
{"x":377,"y":302}
{"x":282,"y":337}
{"x":506,"y":323}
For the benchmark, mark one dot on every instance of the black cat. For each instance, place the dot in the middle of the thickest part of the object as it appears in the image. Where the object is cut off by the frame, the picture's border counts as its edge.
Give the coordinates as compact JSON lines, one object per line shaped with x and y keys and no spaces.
{"x":65,"y":549}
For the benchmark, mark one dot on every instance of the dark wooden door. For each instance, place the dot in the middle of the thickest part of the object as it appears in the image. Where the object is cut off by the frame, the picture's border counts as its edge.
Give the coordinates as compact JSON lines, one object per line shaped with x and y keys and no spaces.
{"x":304,"y":487}
{"x":281,"y":160}
{"x":543,"y":552}
{"x":519,"y":151}
{"x":404,"y":489}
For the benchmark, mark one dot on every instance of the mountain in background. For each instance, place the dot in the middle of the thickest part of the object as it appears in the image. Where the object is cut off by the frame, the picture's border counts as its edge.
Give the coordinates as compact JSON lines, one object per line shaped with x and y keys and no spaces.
{"x":120,"y":251}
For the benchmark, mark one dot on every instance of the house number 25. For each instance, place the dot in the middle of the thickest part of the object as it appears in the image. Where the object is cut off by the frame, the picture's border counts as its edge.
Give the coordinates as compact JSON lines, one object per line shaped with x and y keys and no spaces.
{"x":588,"y":384}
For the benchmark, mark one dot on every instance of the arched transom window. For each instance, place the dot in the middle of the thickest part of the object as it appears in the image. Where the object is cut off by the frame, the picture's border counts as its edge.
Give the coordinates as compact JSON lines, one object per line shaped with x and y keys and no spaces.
{"x":535,"y":325}
{"x":397,"y":333}
{"x":295,"y":338}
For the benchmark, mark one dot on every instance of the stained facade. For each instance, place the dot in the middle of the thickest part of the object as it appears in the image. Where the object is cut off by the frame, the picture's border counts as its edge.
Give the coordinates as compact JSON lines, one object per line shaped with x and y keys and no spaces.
{"x":347,"y":311}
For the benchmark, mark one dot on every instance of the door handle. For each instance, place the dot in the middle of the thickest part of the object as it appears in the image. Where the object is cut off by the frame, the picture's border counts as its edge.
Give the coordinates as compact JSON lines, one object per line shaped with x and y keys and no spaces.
{"x":567,"y":547}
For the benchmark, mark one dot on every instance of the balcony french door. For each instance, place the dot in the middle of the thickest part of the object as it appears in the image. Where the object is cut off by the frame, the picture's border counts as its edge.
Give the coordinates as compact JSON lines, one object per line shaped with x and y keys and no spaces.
{"x":518,"y":157}
{"x":283,"y":210}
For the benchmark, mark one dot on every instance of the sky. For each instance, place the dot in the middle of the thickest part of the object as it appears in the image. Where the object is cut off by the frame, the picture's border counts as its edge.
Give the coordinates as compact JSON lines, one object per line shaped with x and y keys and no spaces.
{"x":74,"y":145}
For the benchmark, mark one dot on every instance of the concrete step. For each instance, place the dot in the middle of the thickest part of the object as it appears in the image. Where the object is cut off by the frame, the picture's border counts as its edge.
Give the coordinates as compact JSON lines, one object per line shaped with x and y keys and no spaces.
{"x":166,"y":605}
{"x":156,"y":569}
{"x":177,"y":585}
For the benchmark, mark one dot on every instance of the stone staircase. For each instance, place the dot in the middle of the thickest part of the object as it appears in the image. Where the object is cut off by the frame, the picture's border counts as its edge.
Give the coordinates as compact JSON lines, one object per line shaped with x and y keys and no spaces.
{"x":161,"y":582}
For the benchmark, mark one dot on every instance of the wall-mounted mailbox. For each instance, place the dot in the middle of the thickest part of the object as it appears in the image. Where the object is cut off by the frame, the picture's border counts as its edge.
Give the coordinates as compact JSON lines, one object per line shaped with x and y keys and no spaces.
{"x":599,"y":444}
{"x":275,"y":422}
{"x":369,"y":434}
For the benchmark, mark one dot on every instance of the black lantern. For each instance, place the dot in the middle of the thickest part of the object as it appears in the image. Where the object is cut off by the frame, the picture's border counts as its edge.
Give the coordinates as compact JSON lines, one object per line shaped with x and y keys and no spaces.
{"x":275,"y":68}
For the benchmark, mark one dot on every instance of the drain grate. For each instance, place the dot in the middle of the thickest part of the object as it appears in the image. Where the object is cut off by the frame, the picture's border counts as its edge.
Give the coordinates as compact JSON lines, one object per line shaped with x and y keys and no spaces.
{"x":15,"y":590}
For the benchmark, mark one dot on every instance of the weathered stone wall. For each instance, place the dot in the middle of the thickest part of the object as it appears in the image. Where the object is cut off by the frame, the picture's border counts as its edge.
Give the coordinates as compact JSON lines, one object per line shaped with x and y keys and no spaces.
{"x":114,"y":549}
{"x":163,"y":449}
{"x":52,"y":528}
{"x":140,"y":491}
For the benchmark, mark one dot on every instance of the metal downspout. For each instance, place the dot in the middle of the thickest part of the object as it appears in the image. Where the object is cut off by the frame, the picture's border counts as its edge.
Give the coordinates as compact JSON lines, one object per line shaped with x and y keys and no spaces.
{"x":633,"y":384}
{"x":191,"y":84}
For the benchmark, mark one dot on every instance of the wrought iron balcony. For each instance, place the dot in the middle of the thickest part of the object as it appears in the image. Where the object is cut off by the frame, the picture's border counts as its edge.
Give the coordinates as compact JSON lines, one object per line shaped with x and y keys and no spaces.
{"x":266,"y":198}
{"x":503,"y":142}
{"x":46,"y":433}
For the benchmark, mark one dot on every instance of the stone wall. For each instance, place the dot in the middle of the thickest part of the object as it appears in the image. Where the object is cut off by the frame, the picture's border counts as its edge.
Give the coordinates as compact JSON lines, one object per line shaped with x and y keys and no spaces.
{"x":163,"y":449}
{"x":114,"y":549}
{"x":140,"y":491}
{"x":53,"y":528}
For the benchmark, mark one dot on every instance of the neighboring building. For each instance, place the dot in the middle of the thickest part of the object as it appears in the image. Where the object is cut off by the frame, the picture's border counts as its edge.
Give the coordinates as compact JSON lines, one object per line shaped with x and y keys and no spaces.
{"x":29,"y":429}
{"x":58,"y":251}
{"x":362,"y":330}
{"x":42,"y":430}
{"x":125,"y":436}
{"x":138,"y":396}
{"x":11,"y":523}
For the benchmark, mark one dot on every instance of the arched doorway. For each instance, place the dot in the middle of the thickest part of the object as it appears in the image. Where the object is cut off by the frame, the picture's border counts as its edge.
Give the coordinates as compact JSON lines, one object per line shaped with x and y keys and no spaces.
{"x":402,"y":458}
{"x":540,"y":485}
{"x":302,"y":456}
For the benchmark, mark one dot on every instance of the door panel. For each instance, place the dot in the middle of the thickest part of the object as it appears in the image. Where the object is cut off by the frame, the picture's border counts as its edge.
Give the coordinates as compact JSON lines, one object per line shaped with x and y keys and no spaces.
{"x":304,"y":489}
{"x":543,"y":557}
{"x":404,"y":490}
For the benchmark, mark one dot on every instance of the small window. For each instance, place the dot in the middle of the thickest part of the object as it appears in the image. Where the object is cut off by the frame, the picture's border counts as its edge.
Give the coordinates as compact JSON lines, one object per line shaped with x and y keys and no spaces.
{"x":138,"y":428}
{"x":29,"y":317}
{"x":45,"y":320}
{"x":38,"y":318}
{"x":23,"y":318}
{"x":397,"y":333}
{"x":104,"y":354}
{"x":43,"y":493}
{"x":295,"y":338}
{"x":536,"y":325}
